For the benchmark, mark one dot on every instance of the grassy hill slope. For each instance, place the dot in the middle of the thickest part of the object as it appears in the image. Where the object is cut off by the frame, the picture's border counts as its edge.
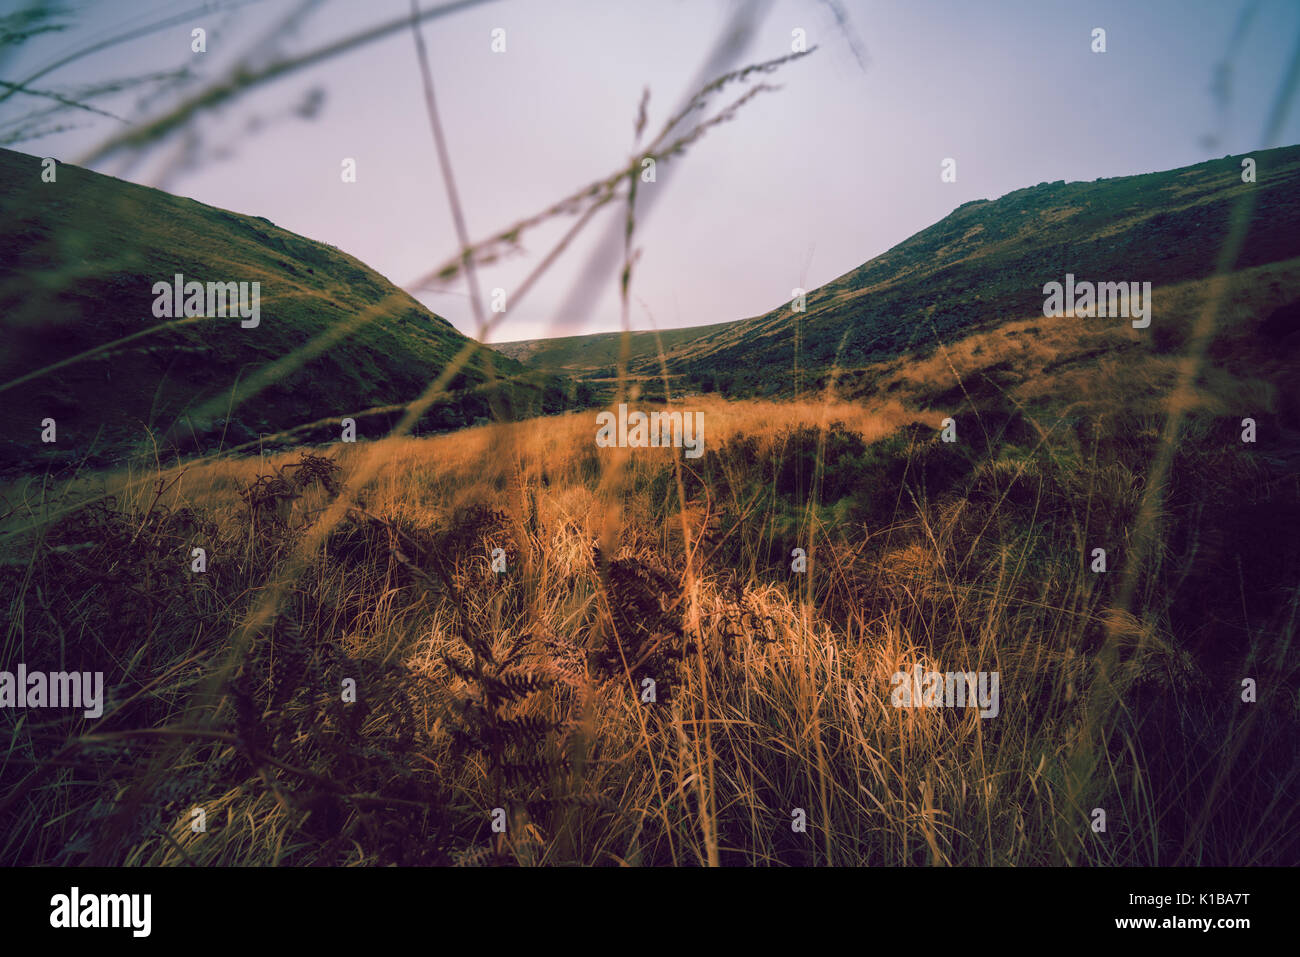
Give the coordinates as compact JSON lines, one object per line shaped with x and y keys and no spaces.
{"x":597,"y":355}
{"x":80,"y":258}
{"x":981,"y":265}
{"x":988,"y":260}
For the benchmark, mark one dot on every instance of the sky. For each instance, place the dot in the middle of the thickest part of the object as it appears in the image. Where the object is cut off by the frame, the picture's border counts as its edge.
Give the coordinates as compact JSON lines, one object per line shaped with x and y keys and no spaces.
{"x":806,"y":183}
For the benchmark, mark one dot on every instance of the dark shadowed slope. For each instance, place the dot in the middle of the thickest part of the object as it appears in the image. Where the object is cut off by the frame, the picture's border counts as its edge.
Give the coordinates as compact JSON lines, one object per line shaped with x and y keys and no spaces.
{"x":79,"y":258}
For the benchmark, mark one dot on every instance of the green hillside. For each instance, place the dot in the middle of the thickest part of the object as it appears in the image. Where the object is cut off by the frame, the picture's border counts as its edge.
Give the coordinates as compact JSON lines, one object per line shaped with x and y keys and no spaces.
{"x":981,"y":265}
{"x":79,"y":258}
{"x":598,"y":355}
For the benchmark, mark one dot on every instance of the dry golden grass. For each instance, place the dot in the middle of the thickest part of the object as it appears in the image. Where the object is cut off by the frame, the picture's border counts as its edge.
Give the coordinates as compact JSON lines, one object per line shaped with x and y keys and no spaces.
{"x":480,"y":690}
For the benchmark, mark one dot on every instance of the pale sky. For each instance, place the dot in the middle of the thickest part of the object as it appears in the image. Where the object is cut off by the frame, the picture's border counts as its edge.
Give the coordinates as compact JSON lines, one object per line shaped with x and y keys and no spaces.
{"x":805,"y":184}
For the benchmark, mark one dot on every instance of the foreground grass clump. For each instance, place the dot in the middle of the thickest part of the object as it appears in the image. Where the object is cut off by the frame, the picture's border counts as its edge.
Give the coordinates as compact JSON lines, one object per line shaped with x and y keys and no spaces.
{"x":400,"y":690}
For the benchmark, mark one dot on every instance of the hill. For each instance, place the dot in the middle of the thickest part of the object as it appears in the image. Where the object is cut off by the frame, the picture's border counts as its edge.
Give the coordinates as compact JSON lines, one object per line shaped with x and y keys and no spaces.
{"x":597,"y":355}
{"x":983,"y":264}
{"x":81,"y":257}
